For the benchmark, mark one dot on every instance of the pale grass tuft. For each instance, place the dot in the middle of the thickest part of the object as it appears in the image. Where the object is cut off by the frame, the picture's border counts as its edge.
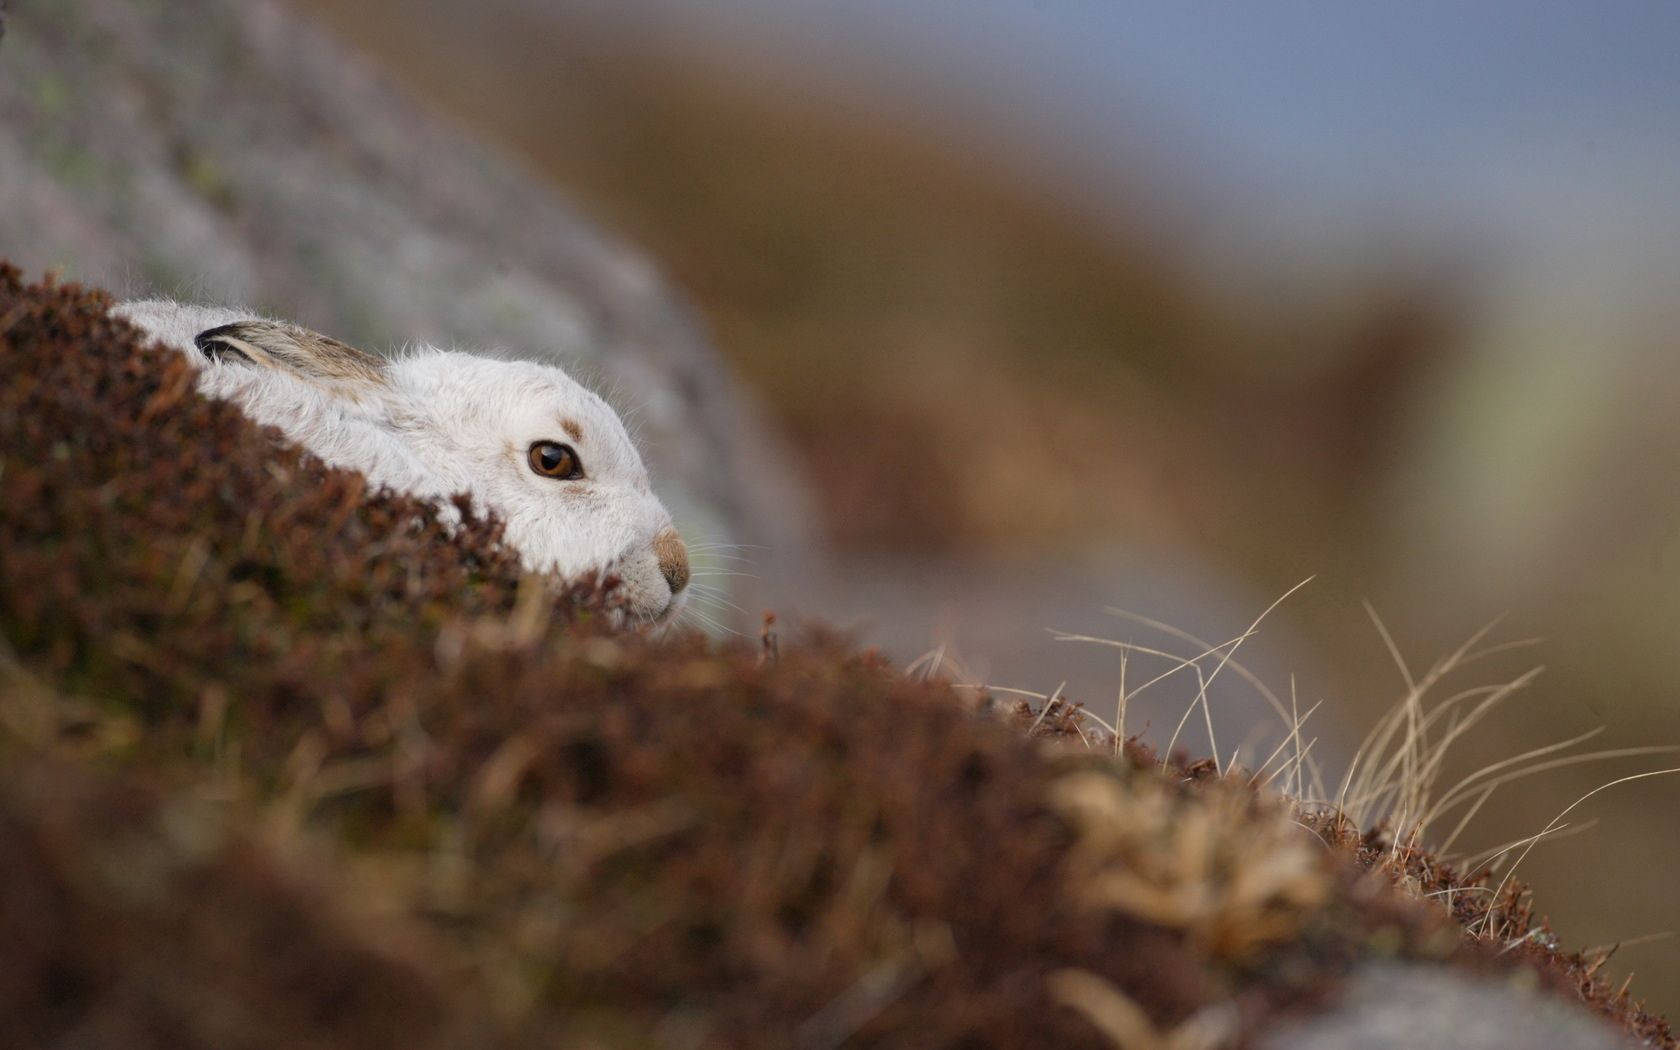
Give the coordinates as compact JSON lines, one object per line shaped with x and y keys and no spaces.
{"x":1128,"y":1027}
{"x":1228,"y":869}
{"x":1394,"y":781}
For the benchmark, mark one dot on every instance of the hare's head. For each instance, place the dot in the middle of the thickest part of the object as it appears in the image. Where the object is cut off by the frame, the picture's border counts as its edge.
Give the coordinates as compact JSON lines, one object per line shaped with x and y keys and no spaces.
{"x":552,"y":461}
{"x":547,"y":457}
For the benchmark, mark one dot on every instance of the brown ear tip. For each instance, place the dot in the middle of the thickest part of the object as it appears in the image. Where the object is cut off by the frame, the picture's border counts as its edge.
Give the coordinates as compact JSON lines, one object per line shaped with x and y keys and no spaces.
{"x":215,"y":342}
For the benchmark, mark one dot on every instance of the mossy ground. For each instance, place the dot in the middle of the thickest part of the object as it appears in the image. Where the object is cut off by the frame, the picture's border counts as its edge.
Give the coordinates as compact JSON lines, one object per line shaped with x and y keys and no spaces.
{"x":284,"y":762}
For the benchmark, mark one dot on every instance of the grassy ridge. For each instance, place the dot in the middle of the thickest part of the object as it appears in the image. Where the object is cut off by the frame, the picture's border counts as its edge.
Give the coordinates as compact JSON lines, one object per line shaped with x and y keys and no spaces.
{"x":287,"y":763}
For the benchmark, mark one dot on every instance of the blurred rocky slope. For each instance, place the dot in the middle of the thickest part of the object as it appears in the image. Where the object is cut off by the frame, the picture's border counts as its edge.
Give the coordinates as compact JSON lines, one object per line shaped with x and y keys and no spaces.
{"x":222,"y":151}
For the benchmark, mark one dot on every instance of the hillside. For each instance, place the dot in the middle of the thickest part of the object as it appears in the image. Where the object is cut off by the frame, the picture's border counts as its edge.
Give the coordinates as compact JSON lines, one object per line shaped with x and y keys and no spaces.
{"x":287,"y":763}
{"x":1016,"y":409}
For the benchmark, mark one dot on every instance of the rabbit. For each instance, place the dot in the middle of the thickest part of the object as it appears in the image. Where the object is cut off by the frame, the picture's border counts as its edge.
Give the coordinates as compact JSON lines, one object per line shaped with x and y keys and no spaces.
{"x":525,"y":441}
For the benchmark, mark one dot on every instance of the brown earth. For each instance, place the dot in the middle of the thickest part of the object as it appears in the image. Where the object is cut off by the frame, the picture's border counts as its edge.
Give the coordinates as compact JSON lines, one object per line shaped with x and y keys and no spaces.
{"x":281,"y":758}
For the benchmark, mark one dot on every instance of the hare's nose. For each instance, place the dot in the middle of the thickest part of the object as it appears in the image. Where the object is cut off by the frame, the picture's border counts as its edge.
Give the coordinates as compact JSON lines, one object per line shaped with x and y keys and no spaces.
{"x":673,"y":559}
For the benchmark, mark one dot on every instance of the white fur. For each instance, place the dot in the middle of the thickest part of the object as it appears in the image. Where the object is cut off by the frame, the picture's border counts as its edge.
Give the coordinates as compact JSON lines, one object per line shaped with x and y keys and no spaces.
{"x":444,"y":422}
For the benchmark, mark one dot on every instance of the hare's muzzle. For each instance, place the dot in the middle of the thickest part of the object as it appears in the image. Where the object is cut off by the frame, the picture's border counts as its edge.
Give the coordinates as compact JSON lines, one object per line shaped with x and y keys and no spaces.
{"x":673,"y":559}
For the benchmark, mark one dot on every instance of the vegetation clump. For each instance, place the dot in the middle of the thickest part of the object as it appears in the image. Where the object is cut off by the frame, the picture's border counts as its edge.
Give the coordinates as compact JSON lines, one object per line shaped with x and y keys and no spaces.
{"x":285,"y":762}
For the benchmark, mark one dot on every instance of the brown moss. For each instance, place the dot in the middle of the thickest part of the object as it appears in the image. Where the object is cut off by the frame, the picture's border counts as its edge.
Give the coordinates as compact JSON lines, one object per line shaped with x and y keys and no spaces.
{"x":134,"y":922}
{"x":1504,"y":929}
{"x":597,"y":840}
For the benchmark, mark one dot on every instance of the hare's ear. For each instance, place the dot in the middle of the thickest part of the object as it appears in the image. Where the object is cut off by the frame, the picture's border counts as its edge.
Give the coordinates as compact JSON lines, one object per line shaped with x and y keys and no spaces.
{"x":289,"y":348}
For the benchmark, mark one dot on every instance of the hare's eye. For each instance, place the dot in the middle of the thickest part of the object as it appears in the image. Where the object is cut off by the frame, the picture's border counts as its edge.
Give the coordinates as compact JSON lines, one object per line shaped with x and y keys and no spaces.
{"x":554,"y":460}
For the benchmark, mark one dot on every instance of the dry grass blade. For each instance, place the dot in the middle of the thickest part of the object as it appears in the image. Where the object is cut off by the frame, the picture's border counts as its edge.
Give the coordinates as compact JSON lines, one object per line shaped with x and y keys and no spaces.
{"x":1534,"y":768}
{"x":1491,"y":859}
{"x":1112,"y":1011}
{"x":1292,"y":738}
{"x":1054,"y":699}
{"x":1571,"y":808}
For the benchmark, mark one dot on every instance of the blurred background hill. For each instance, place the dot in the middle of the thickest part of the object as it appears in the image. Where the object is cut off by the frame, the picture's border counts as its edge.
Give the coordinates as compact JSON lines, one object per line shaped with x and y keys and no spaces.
{"x":1083,"y":304}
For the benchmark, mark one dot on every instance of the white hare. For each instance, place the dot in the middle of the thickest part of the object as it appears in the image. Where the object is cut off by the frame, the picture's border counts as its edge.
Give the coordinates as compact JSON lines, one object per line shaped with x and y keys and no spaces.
{"x":550,"y":459}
